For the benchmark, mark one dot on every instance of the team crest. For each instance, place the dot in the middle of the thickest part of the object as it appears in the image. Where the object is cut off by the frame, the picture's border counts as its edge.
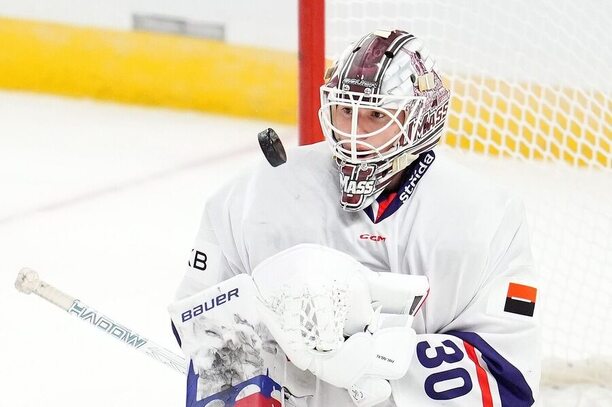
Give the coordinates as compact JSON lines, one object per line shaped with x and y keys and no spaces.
{"x":357,"y":183}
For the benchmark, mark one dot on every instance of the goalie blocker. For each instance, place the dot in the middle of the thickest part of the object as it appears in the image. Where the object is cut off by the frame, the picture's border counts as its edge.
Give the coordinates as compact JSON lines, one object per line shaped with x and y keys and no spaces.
{"x":230,"y":353}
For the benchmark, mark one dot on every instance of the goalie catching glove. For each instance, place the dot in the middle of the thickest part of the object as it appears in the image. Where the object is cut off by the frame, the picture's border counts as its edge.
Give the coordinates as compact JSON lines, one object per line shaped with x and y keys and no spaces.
{"x":349,"y":326}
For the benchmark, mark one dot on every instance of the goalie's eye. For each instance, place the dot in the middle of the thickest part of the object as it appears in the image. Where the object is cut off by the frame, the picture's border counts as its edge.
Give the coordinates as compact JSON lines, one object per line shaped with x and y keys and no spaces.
{"x":375,"y":114}
{"x":346,"y":111}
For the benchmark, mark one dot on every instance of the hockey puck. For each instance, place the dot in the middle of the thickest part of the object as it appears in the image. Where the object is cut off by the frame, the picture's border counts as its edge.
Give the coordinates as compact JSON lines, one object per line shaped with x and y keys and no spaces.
{"x":272,"y":147}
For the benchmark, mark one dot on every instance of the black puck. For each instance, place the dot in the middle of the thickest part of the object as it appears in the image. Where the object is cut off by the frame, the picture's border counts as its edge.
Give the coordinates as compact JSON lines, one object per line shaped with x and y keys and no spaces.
{"x":272,"y":147}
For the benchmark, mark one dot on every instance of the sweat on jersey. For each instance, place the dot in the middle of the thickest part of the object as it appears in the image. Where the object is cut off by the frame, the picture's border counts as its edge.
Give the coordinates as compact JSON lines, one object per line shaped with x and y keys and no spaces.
{"x":478,"y":332}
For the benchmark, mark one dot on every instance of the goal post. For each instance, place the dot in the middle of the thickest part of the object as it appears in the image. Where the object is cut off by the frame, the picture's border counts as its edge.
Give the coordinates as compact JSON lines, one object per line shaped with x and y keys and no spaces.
{"x":311,"y":55}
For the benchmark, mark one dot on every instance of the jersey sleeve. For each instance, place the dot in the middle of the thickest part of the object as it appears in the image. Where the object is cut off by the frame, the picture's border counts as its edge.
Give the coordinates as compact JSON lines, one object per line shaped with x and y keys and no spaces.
{"x":489,"y":354}
{"x":206,"y":265}
{"x":213,"y":257}
{"x":218,"y":250}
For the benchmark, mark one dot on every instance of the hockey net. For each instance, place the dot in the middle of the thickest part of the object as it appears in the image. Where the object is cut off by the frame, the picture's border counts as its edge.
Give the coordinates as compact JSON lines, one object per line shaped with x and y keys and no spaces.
{"x":531,"y":107}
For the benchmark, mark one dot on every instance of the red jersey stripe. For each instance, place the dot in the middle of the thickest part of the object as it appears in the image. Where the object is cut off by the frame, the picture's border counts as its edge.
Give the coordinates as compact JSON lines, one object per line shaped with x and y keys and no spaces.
{"x":382,"y":206}
{"x":483,"y":380}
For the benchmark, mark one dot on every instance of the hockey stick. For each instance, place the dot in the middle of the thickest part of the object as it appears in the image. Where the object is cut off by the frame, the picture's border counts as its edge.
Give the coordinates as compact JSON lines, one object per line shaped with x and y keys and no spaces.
{"x":28,"y":282}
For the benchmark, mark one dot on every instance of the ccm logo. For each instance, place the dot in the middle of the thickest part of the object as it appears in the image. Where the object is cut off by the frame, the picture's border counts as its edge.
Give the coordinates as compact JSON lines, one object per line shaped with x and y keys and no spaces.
{"x":373,"y":238}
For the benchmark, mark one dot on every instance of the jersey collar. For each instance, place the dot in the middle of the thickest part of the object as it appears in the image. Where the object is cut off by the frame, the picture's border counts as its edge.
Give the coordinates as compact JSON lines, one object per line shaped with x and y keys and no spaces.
{"x":390,"y":201}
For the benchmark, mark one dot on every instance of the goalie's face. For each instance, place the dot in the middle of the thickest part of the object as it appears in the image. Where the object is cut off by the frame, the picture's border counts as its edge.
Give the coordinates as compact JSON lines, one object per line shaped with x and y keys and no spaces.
{"x":368,"y":133}
{"x":381,"y":106}
{"x":366,"y":128}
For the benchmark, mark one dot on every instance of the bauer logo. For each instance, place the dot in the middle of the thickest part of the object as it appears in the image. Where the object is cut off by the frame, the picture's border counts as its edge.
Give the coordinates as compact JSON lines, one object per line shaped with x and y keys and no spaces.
{"x":208,"y":305}
{"x":106,"y":324}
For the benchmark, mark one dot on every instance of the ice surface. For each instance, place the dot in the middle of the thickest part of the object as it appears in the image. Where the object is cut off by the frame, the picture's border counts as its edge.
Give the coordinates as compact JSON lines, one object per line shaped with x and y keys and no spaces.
{"x":103,"y":200}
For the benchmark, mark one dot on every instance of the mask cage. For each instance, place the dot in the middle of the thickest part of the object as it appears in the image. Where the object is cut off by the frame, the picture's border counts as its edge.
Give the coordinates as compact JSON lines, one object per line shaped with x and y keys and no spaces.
{"x":356,"y":148}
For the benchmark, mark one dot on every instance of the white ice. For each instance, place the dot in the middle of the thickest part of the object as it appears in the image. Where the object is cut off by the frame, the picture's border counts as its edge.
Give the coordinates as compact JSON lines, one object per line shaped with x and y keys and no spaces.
{"x":103,"y":200}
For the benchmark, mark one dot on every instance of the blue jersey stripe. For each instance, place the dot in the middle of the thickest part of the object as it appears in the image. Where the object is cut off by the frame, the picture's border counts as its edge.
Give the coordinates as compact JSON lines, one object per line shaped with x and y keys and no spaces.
{"x":513,"y":388}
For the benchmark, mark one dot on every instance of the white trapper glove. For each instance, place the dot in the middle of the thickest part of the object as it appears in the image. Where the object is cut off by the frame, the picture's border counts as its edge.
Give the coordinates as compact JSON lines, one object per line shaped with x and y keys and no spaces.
{"x":311,"y":297}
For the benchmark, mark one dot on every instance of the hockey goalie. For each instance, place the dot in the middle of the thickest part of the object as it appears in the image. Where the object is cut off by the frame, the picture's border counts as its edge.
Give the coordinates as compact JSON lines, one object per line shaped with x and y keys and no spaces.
{"x":335,"y":252}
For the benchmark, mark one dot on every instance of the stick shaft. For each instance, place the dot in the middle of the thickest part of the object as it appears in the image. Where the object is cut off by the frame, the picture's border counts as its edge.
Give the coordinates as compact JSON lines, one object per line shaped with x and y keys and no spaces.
{"x":54,"y":296}
{"x":82,"y":311}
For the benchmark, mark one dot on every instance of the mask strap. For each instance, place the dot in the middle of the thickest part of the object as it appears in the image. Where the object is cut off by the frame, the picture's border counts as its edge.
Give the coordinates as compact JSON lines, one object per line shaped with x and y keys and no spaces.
{"x":402,"y":161}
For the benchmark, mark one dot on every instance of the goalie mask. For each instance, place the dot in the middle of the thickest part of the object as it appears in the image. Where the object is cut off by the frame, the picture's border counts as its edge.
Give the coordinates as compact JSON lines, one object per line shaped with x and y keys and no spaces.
{"x":381,"y":106}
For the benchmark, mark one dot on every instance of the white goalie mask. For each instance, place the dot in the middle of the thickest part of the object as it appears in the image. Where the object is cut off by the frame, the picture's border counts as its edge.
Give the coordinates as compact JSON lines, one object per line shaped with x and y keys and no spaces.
{"x":381,"y":106}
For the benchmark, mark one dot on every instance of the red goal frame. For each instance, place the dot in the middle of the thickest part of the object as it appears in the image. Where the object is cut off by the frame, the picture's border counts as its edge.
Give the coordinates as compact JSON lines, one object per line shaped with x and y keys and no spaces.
{"x":311,"y":61}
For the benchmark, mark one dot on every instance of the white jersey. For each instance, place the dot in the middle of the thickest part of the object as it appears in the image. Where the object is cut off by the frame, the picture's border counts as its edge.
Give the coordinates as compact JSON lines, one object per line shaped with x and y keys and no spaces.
{"x":478,"y":332}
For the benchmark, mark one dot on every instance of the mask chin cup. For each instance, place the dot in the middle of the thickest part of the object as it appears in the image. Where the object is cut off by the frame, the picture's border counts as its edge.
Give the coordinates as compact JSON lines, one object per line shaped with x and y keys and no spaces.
{"x":366,"y":202}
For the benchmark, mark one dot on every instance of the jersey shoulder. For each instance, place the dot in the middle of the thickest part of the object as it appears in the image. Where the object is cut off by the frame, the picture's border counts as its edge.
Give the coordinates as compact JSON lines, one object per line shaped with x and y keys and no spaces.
{"x":461,"y":190}
{"x":307,"y":177}
{"x":310,"y":164}
{"x":464,"y":208}
{"x":268,"y":209}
